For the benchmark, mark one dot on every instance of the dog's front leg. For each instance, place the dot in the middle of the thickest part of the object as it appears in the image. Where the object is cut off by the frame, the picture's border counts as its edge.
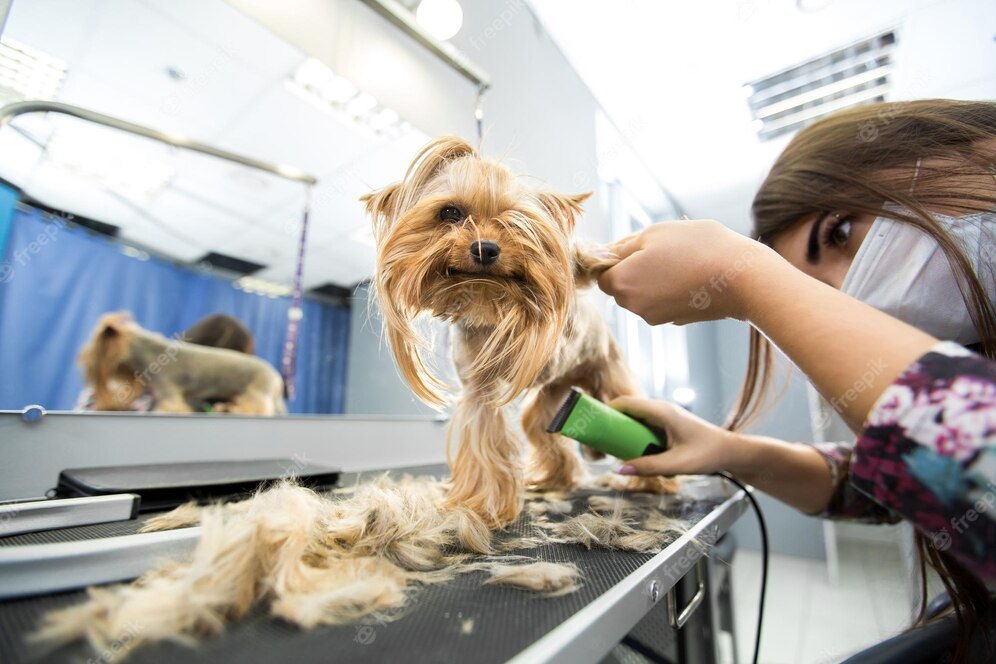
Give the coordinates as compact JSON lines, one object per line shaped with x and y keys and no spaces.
{"x":553,"y":462}
{"x":487,"y":468}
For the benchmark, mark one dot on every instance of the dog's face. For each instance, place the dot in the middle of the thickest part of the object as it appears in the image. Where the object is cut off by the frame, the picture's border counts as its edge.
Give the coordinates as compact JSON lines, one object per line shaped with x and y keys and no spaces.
{"x":104,"y":362}
{"x":463,"y":240}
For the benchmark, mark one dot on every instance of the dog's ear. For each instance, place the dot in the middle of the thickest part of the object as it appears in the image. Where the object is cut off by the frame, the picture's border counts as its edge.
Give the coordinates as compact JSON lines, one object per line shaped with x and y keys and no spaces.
{"x":380,"y":205}
{"x":562,"y":207}
{"x":590,"y":262}
{"x":114,"y":324}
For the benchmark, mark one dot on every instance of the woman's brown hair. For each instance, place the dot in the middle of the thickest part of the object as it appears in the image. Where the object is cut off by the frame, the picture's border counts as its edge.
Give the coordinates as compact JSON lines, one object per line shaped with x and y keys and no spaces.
{"x":917,"y":156}
{"x":221,"y":331}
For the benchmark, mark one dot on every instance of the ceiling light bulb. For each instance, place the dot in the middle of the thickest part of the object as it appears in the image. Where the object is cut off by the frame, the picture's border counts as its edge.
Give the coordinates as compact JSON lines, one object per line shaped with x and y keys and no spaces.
{"x":384,"y":119}
{"x":337,"y":90}
{"x":313,"y":74}
{"x":440,"y":18}
{"x":361,"y":104}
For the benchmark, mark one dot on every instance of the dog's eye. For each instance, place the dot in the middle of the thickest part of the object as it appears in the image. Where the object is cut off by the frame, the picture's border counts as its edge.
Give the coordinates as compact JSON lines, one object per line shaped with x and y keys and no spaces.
{"x":450,"y":213}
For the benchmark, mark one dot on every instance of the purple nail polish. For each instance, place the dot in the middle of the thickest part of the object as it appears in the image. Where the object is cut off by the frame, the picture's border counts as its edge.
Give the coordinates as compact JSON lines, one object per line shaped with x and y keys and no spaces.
{"x":626,"y":470}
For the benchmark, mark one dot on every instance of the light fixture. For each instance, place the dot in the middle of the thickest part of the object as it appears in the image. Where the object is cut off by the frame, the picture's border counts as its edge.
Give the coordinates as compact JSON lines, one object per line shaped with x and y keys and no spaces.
{"x":27,"y":73}
{"x":384,"y":119}
{"x":440,"y":18}
{"x":262,"y":287}
{"x":361,"y":105}
{"x":683,"y":395}
{"x":317,"y":84}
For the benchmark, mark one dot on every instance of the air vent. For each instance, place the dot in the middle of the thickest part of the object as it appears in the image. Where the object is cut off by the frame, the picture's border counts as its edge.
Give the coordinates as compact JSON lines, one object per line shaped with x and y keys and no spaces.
{"x":793,"y":98}
{"x":333,"y":293}
{"x":230,"y":263}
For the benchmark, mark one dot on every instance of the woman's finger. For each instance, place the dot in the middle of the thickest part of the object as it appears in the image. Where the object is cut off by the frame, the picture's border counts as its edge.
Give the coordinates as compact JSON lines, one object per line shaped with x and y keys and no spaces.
{"x":648,"y":410}
{"x":655,"y":464}
{"x":627,"y":245}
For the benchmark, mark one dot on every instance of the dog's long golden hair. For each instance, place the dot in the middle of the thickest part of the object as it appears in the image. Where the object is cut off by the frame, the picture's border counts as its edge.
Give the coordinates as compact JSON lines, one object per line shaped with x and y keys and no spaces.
{"x":423,"y":267}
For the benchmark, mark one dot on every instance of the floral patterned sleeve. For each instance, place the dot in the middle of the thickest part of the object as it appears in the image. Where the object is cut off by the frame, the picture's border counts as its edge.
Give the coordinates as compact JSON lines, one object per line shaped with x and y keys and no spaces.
{"x":847,"y":503}
{"x":928,"y":454}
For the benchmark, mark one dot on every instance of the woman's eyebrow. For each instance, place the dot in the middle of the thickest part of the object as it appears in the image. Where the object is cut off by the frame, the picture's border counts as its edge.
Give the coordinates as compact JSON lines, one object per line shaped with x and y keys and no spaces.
{"x":813,"y":245}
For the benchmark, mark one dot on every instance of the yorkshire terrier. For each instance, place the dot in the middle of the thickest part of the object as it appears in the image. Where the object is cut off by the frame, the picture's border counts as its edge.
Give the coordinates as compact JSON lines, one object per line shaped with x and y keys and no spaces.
{"x":122,"y":361}
{"x":462,"y":239}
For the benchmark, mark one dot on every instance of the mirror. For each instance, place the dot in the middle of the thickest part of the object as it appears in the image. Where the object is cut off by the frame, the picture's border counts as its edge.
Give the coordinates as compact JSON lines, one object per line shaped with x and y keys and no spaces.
{"x":186,"y":248}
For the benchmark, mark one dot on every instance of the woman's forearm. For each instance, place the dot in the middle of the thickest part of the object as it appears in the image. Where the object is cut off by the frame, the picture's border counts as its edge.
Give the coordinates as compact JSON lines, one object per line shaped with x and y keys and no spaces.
{"x":793,"y":473}
{"x":850,"y":351}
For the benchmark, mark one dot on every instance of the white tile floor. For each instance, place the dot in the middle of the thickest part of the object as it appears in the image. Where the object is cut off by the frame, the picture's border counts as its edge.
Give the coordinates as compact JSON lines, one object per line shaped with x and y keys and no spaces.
{"x":808,"y":620}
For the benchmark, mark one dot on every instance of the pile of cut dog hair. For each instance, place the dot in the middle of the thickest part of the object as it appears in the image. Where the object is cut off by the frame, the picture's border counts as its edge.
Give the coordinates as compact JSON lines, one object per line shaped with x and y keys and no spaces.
{"x":355,"y":555}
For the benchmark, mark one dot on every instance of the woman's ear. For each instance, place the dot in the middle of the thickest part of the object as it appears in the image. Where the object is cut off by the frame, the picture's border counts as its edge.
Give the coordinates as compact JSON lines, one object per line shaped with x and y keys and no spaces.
{"x":564,"y":208}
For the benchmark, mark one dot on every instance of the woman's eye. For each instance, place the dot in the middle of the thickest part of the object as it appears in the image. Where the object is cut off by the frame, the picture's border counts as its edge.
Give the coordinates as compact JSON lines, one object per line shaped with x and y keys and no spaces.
{"x":450,"y":213}
{"x":838,"y":233}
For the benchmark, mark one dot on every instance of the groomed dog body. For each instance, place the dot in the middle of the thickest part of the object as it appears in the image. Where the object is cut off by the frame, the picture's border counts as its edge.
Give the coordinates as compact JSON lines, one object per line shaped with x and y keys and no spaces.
{"x":463,"y":240}
{"x":122,"y":360}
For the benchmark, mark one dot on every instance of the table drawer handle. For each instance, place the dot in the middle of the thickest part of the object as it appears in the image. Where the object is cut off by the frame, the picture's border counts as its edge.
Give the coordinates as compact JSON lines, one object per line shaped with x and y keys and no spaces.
{"x":676,"y":618}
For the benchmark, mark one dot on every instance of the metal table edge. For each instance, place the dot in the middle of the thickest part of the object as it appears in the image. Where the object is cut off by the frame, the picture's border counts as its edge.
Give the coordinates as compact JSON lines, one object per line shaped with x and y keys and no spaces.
{"x":35,"y":569}
{"x":594,"y":630}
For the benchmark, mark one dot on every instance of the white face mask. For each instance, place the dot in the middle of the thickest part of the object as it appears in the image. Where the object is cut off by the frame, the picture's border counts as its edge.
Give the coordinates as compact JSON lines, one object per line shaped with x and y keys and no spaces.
{"x":902,"y":271}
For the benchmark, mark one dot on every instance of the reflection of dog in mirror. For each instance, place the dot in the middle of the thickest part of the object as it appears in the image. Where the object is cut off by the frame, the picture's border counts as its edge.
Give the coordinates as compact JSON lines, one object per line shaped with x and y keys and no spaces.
{"x":462,"y":239}
{"x":122,"y":360}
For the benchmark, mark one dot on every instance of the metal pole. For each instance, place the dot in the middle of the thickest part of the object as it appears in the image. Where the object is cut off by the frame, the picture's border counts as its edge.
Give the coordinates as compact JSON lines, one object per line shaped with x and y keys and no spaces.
{"x":11,"y":111}
{"x":4,"y":10}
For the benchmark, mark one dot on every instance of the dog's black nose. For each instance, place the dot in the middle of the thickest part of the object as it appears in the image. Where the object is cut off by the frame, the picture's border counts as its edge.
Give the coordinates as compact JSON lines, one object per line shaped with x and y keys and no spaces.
{"x":485,"y":252}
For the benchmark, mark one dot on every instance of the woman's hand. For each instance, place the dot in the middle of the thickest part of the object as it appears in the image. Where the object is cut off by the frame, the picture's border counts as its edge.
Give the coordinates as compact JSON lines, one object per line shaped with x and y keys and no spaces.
{"x":685,"y":271}
{"x":695,"y":447}
{"x":794,"y":473}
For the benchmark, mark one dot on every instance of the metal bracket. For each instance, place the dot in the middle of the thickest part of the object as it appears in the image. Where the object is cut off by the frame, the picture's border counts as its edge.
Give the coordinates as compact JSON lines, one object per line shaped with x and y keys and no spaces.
{"x":678,"y":619}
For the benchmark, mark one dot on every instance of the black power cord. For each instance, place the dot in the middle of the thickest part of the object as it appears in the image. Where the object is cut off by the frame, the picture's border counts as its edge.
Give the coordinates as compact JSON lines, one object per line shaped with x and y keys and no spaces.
{"x":764,"y":559}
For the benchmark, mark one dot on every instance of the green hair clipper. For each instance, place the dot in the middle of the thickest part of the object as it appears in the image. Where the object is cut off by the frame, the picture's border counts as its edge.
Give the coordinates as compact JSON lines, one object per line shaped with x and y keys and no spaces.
{"x":589,"y":421}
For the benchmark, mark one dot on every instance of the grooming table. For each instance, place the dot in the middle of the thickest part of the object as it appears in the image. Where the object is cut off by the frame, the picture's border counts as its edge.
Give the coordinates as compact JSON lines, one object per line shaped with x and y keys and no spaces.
{"x":624,"y":596}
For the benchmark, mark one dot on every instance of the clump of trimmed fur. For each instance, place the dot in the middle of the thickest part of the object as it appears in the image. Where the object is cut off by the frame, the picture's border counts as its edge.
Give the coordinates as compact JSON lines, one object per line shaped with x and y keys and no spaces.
{"x":552,"y":579}
{"x":346,"y":557}
{"x":620,"y":528}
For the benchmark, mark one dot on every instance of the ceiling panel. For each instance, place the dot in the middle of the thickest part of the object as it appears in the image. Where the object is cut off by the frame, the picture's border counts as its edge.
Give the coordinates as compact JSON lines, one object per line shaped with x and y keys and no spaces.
{"x":289,"y":130}
{"x":20,"y":156}
{"x":232,"y":94}
{"x":30,"y":22}
{"x":164,"y":239}
{"x":262,"y":246}
{"x":131,"y":48}
{"x":191,"y":217}
{"x":60,"y":188}
{"x":234,"y":33}
{"x":241,"y":191}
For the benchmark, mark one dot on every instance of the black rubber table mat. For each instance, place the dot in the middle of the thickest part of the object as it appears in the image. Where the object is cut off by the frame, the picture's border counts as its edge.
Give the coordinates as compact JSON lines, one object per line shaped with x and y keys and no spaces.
{"x":461,"y":621}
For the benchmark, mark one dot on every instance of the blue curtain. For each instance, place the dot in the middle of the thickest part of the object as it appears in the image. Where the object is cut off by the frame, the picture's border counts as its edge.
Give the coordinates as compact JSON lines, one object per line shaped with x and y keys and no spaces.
{"x":56,"y":281}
